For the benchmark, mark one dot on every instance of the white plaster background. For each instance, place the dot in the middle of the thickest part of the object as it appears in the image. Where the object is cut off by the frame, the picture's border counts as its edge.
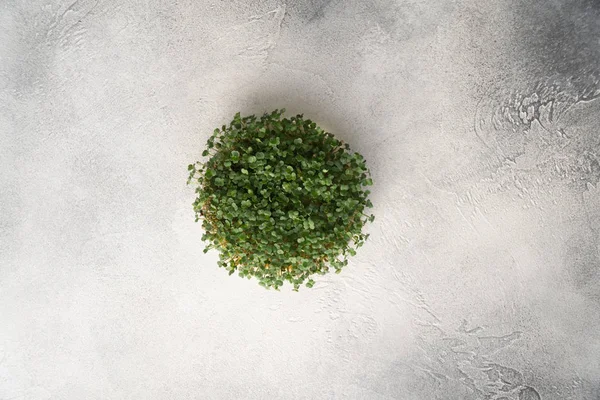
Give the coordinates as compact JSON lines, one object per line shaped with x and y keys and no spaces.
{"x":479,"y":123}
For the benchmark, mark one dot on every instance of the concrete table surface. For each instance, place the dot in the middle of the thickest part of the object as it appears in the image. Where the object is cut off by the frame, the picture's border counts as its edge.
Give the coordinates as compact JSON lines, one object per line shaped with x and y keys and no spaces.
{"x":480,"y":123}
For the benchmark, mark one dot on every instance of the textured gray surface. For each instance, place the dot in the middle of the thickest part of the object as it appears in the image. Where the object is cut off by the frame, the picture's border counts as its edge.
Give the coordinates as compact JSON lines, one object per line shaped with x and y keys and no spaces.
{"x":479,"y":120}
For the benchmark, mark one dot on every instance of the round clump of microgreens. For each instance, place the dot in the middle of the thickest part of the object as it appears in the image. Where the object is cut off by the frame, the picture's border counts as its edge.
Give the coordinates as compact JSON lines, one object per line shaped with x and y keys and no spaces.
{"x":280,"y":199}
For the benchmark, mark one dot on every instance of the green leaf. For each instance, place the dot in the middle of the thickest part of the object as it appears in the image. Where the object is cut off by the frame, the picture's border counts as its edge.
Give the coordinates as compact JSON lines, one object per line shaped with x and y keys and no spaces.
{"x":204,"y":153}
{"x":219,"y":181}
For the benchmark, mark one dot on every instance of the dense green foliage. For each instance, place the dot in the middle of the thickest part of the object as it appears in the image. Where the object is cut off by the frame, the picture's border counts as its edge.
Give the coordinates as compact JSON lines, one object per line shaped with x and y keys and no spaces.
{"x":280,"y":199}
